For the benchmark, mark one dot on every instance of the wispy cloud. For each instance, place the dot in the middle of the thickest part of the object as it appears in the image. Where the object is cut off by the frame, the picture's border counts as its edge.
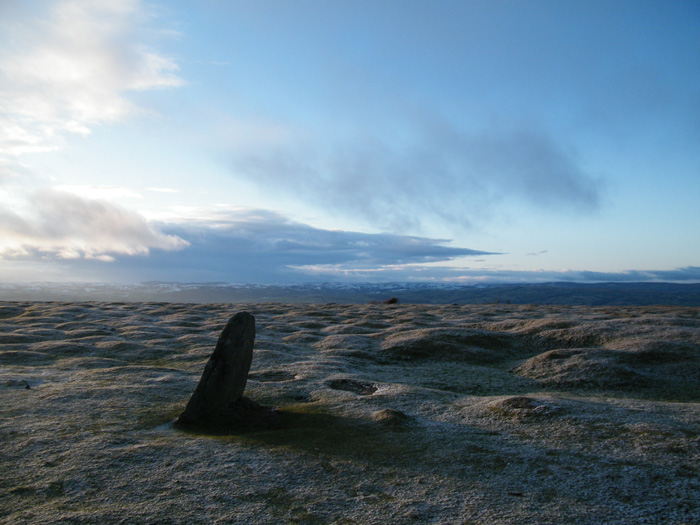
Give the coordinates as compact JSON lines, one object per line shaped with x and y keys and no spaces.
{"x":162,"y":190}
{"x":101,"y":192}
{"x":448,"y":175}
{"x":67,"y":70}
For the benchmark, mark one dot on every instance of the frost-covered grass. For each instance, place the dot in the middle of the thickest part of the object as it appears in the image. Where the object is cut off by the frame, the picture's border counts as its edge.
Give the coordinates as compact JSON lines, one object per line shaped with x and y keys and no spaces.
{"x":386,"y":414}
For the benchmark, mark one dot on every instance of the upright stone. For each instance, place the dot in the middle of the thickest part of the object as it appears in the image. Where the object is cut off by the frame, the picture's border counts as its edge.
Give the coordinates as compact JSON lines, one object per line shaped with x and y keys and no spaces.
{"x":225,"y":374}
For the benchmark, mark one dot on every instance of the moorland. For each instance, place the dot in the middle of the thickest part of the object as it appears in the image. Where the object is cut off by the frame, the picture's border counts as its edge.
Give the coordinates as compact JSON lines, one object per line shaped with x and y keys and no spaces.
{"x":490,"y":413}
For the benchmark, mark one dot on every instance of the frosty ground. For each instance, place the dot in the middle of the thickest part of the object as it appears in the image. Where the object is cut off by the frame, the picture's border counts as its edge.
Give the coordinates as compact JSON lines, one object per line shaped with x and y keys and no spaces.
{"x":388,"y":414}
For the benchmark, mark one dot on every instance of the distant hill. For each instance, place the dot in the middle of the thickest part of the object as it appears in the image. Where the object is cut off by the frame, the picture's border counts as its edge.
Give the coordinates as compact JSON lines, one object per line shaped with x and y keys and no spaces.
{"x":598,"y":294}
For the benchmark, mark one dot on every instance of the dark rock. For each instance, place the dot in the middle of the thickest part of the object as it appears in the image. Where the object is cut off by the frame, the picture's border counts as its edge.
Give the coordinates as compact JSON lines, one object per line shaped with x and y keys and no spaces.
{"x":19,"y":382}
{"x":393,"y":300}
{"x":218,"y":394}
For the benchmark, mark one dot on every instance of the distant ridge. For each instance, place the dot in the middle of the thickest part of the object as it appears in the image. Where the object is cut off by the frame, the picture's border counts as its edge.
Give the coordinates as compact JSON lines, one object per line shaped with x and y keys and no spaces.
{"x":559,"y":293}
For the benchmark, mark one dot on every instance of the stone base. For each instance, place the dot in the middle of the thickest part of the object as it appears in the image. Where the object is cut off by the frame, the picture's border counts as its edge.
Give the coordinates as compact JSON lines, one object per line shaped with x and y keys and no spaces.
{"x":243,"y":415}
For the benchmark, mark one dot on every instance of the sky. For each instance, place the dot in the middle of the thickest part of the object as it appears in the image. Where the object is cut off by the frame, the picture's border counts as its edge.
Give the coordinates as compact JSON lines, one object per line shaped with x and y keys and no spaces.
{"x":269,"y":141}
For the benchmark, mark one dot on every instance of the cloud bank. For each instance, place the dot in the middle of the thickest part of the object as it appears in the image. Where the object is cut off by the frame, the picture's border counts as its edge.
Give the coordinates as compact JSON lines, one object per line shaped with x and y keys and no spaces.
{"x":687,"y":274}
{"x":263,"y":246}
{"x":76,"y":238}
{"x":61,"y":225}
{"x":244,"y":245}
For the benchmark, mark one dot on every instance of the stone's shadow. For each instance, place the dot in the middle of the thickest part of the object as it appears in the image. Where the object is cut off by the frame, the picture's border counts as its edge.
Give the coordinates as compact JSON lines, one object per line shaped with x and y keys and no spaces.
{"x":271,"y":376}
{"x":312,"y":430}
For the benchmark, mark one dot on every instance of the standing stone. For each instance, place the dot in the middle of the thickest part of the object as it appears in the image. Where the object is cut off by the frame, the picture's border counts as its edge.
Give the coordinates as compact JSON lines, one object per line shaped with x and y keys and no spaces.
{"x":225,"y":375}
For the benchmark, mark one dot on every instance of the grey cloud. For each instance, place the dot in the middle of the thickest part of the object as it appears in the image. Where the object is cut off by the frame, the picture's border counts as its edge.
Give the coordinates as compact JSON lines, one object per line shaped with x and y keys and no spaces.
{"x":260,"y":246}
{"x":264,"y":247}
{"x":64,"y":225}
{"x":628,"y":276}
{"x":455,"y":177}
{"x":532,"y":166}
{"x":689,"y":273}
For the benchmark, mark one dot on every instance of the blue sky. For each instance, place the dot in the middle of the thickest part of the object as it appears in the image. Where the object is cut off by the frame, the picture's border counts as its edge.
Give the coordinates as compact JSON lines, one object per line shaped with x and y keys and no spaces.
{"x":276,"y":141}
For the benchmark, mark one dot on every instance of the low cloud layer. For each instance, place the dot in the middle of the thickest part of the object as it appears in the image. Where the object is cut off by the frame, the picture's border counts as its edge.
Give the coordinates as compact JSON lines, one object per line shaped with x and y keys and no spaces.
{"x":76,"y":238}
{"x":687,"y":274}
{"x":263,"y":246}
{"x":257,"y":246}
{"x":475,"y":276}
{"x":442,"y":174}
{"x":60,"y":225}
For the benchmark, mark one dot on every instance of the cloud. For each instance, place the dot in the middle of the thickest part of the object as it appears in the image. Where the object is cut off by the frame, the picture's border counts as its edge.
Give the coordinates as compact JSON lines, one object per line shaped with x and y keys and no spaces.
{"x":61,"y":225}
{"x":101,"y":192}
{"x":66,"y":72}
{"x":474,"y":276}
{"x":73,"y":238}
{"x":244,"y":245}
{"x":689,"y":273}
{"x":442,"y":173}
{"x":65,"y":67}
{"x":264,"y":246}
{"x":162,"y":190}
